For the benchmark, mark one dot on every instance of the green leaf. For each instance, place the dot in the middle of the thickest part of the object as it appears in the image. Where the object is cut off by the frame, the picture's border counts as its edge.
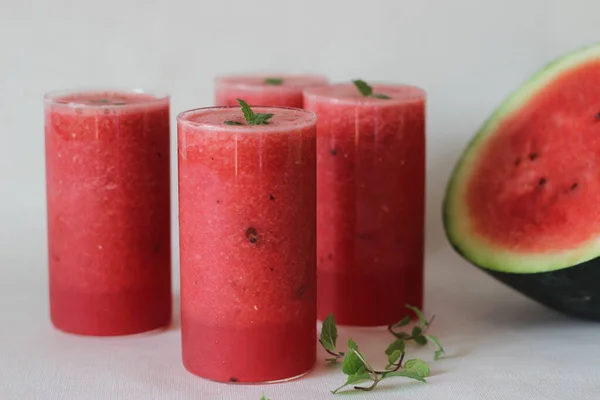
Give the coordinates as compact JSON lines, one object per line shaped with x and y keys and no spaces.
{"x":363,"y":87}
{"x":352,"y":363}
{"x":394,"y":357}
{"x":405,"y":373}
{"x":232,"y":123}
{"x":274,"y":81}
{"x":404,"y":321}
{"x":261,"y":119}
{"x":422,"y":340}
{"x":263,"y":397}
{"x":352,"y":344}
{"x":358,"y":377}
{"x":419,"y":314}
{"x":246,"y":110}
{"x":328,"y":333}
{"x":417,"y":366}
{"x":380,"y":96}
{"x":397,"y":345}
{"x":440,"y":350}
{"x":416,"y":331}
{"x":438,"y":354}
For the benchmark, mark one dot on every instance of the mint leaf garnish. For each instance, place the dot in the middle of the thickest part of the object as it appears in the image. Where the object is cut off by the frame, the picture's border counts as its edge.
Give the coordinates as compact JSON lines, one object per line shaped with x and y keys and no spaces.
{"x":274,"y":81}
{"x":328,"y":338}
{"x":422,"y":340}
{"x":393,"y":358}
{"x":251,"y":117}
{"x":419,"y":314}
{"x":404,"y":373}
{"x":358,"y":377}
{"x":358,"y":370}
{"x":404,"y":321}
{"x":232,"y":123}
{"x":417,"y":366}
{"x":328,"y":333}
{"x":367,"y":91}
{"x":381,"y":96}
{"x":397,"y":345}
{"x":352,"y":363}
{"x":440,"y":350}
{"x":418,"y":333}
{"x":363,"y":87}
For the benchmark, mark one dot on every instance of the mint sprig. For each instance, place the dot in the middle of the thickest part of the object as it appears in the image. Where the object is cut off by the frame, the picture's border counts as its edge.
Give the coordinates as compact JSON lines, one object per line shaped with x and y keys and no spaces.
{"x":274,"y":81}
{"x":358,"y":370}
{"x":366,"y":90}
{"x":250,"y":116}
{"x":418,"y":333}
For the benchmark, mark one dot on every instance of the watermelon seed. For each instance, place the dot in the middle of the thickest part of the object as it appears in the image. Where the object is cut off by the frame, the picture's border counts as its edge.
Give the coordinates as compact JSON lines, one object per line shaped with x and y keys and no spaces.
{"x":252,"y":235}
{"x":517,"y":162}
{"x":542,"y":181}
{"x":598,"y":116}
{"x":533,"y":156}
{"x":574,"y":186}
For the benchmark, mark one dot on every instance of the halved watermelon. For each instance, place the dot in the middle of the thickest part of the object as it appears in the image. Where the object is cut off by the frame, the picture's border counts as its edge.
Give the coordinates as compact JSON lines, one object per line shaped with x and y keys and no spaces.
{"x":523,"y":202}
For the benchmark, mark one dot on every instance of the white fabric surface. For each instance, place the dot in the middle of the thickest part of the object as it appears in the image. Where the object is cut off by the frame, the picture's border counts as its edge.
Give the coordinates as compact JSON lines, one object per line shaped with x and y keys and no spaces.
{"x":499,"y":345}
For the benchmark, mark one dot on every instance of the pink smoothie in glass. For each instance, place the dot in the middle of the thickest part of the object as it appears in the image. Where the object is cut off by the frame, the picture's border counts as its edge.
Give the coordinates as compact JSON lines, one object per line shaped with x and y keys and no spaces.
{"x":370,"y":202}
{"x":247,"y":226}
{"x":284,"y":90}
{"x":108,"y":200}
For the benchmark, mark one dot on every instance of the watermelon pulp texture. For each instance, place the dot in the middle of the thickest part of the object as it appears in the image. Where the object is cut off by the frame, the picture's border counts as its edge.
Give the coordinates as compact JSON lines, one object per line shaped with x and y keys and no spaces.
{"x":247,"y":224}
{"x":108,"y":200}
{"x":370,"y":202}
{"x":539,"y":174}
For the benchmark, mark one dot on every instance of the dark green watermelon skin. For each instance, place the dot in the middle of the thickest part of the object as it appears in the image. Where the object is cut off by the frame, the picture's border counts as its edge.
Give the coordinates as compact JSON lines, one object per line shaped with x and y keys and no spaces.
{"x":574,"y":291}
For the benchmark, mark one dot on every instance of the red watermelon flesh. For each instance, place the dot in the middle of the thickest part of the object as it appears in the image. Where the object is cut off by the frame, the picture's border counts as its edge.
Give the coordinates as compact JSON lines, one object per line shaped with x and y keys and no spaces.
{"x":537,"y":185}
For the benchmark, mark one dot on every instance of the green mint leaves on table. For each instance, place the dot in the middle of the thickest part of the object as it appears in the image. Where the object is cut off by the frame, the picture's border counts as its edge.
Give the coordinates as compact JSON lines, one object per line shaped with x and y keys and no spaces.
{"x":263,"y":397}
{"x":358,"y":370}
{"x":367,"y":91}
{"x":329,"y":337}
{"x":273,"y":81}
{"x":418,"y":333}
{"x":250,"y":116}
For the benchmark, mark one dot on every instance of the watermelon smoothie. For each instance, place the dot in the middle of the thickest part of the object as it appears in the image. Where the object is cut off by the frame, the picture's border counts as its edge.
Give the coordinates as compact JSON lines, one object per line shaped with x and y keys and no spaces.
{"x":247,"y":226}
{"x":108,"y":211}
{"x":370,"y":202}
{"x":255,"y":90}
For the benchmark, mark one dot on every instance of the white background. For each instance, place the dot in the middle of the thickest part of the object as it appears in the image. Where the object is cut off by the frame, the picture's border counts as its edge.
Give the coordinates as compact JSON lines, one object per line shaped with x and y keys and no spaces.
{"x":467,"y":54}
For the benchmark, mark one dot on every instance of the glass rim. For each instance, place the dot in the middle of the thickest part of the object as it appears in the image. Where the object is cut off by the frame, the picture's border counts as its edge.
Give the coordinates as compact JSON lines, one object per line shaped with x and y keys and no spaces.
{"x":157,"y":96}
{"x":222,"y":80}
{"x":182,"y":120}
{"x":314,"y":92}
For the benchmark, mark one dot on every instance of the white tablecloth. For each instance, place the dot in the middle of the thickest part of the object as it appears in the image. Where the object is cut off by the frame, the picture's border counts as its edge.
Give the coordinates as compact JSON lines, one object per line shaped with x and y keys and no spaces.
{"x":499,"y":345}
